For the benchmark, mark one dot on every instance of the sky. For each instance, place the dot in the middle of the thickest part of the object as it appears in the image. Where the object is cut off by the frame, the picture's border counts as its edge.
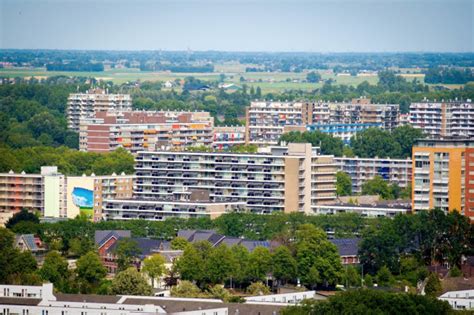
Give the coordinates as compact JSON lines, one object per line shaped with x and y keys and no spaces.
{"x":239,"y":25}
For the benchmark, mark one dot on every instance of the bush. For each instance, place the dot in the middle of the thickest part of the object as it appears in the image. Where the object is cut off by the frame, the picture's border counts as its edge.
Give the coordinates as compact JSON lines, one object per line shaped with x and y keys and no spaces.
{"x":258,"y":288}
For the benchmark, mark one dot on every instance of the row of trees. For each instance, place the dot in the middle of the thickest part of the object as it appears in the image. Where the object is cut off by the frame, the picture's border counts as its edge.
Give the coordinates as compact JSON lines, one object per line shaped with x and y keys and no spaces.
{"x":449,"y":75}
{"x":309,"y":257}
{"x":69,"y":161}
{"x":372,"y":142}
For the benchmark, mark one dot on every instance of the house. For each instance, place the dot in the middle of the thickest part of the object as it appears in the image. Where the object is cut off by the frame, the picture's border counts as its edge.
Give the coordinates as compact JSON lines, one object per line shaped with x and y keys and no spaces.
{"x":459,"y":300}
{"x":216,"y":239}
{"x":348,"y":249}
{"x":29,"y":242}
{"x":168,"y":84}
{"x":107,"y":242}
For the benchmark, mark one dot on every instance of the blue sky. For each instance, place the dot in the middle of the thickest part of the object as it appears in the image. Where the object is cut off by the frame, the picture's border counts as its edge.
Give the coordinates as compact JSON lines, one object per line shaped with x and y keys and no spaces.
{"x":258,"y":25}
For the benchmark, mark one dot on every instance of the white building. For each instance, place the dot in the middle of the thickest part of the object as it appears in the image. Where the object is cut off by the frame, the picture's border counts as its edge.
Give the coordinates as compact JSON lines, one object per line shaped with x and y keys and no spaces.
{"x":459,"y":300}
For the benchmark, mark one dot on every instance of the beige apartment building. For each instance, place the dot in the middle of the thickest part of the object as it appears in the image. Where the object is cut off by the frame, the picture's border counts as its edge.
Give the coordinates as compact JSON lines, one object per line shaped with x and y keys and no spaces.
{"x":287,"y":179}
{"x":145,"y":131}
{"x":85,"y":105}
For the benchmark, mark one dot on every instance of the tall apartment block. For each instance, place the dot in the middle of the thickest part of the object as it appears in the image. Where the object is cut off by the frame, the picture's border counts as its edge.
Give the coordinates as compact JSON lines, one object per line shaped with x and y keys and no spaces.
{"x":398,"y":171}
{"x":267,"y":121}
{"x":55,"y":195}
{"x":34,"y":192}
{"x":145,"y":130}
{"x":288,"y":179}
{"x":84,"y":105}
{"x":443,"y":175}
{"x":444,"y":119}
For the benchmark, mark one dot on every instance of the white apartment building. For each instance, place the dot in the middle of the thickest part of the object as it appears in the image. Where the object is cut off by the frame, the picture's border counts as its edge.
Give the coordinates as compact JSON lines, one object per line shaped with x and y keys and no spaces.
{"x":267,"y":121}
{"x":443,"y":119}
{"x":84,"y":105}
{"x":288,"y":179}
{"x":398,"y":171}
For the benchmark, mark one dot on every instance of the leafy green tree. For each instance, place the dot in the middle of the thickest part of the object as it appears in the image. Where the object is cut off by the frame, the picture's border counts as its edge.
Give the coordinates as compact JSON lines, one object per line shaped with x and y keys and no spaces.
{"x":374,"y":142}
{"x":365,"y":301}
{"x":130,"y":282}
{"x":384,"y":277}
{"x":127,"y":252}
{"x":377,"y":186}
{"x":220,"y":264}
{"x":258,"y":288}
{"x":186,"y":289}
{"x":351,"y":277}
{"x":90,"y":272}
{"x":406,"y":137}
{"x":241,"y":256}
{"x":283,"y":264}
{"x":313,"y":77}
{"x":191,"y":265}
{"x":154,"y":267}
{"x":55,"y":270}
{"x":315,"y":253}
{"x":179,"y":243}
{"x":433,"y":285}
{"x":328,"y":144}
{"x":22,"y":216}
{"x":343,"y":184}
{"x":259,"y":264}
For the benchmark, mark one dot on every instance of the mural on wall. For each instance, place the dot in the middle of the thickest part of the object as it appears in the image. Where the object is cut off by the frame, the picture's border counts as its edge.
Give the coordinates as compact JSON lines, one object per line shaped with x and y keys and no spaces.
{"x":84,"y":199}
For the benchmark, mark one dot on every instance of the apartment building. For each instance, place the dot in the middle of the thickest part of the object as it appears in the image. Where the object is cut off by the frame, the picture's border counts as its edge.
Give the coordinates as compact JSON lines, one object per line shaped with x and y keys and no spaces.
{"x":34,"y":192}
{"x":443,"y":175}
{"x":55,"y":195}
{"x":443,"y":119}
{"x":145,"y":130}
{"x":394,"y":171}
{"x":292,"y":178}
{"x":267,"y":121}
{"x":224,"y":137}
{"x":84,"y":105}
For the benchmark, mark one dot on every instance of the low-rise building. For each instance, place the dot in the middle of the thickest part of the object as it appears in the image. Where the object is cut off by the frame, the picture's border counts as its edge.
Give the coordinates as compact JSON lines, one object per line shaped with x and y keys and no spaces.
{"x":361,"y":170}
{"x":371,"y":210}
{"x":348,"y":249}
{"x":459,"y":300}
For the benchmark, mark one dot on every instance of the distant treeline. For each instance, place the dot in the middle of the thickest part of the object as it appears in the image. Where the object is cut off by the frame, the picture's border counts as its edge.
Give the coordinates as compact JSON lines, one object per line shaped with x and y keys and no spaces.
{"x":76,"y":66}
{"x":449,"y":75}
{"x":178,"y":68}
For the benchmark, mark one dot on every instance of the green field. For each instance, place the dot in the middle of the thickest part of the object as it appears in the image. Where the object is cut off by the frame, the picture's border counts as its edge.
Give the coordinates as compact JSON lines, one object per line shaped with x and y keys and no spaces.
{"x":274,"y":82}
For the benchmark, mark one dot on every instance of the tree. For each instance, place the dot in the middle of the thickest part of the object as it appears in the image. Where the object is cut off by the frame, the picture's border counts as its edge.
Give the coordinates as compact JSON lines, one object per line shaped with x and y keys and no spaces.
{"x":366,"y":301}
{"x":406,"y":137}
{"x":283,"y":264}
{"x":220,"y":264}
{"x":259,"y":264}
{"x":343,"y":184}
{"x":374,"y":142}
{"x":328,"y":144}
{"x":313,"y":77}
{"x":55,"y":270}
{"x":351,"y":277}
{"x":186,"y":289}
{"x":317,"y":258}
{"x":23,"y":215}
{"x":258,"y":288}
{"x":433,"y":285}
{"x":154,"y":267}
{"x":384,"y":277}
{"x":191,"y":265}
{"x":130,"y":282}
{"x":127,"y":251}
{"x":179,"y":243}
{"x":377,"y":186}
{"x":90,"y":272}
